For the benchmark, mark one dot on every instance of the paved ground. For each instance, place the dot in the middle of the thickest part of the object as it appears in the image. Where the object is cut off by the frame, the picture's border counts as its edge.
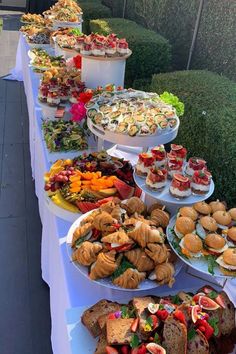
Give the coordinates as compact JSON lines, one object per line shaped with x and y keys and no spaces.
{"x":24,"y":297}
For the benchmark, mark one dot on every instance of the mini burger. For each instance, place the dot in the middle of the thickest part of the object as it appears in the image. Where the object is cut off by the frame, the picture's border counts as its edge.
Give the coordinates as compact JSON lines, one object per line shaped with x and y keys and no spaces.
{"x":206,"y":225}
{"x":184,"y":225}
{"x":223,"y":218}
{"x":231,"y":236}
{"x":202,"y":208}
{"x":215,"y":243}
{"x":217,"y":205}
{"x":227,"y":262}
{"x":233,"y":213}
{"x":191,"y":245}
{"x":190,"y":212}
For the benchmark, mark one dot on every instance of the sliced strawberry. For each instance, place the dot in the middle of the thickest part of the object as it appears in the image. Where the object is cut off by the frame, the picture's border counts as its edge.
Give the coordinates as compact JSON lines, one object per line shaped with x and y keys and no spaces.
{"x":137,"y":192}
{"x":134,"y":325}
{"x":125,"y":349}
{"x":162,"y":314}
{"x":179,"y":315}
{"x":111,"y":350}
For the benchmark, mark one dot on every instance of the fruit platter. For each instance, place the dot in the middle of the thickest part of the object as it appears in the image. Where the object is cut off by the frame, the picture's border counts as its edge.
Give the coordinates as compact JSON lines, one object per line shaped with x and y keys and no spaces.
{"x":131,"y":117}
{"x":42,"y":60}
{"x":120,"y":245}
{"x":172,"y":324}
{"x":204,"y":237}
{"x":84,"y":183}
{"x":172,"y":179}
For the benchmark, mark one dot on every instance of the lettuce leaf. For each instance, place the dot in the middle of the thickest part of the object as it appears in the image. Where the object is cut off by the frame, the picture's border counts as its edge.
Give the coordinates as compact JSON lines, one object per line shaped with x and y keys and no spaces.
{"x":169,"y":98}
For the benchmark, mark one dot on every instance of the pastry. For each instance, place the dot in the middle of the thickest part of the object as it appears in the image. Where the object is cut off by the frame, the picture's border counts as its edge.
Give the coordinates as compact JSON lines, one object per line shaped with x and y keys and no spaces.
{"x":201,"y":182}
{"x":202,"y":208}
{"x":174,"y":165}
{"x":118,"y":241}
{"x":104,"y":222}
{"x":104,"y":266}
{"x":133,"y":205}
{"x":140,"y":260}
{"x":180,"y":186}
{"x":156,"y":178}
{"x":178,"y":151}
{"x":184,"y":225}
{"x":215,"y":243}
{"x":158,"y":253}
{"x":159,"y":154}
{"x":222,"y":218}
{"x":145,"y":162}
{"x":90,"y":217}
{"x":227,"y":262}
{"x":118,"y":213}
{"x":87,"y":252}
{"x":164,"y":274}
{"x":81,"y":231}
{"x":108,"y":207}
{"x":191,"y":245}
{"x":195,"y":164}
{"x":130,"y":279}
{"x":160,"y":217}
{"x":208,"y":223}
{"x":189,"y":212}
{"x":144,"y":234}
{"x":154,"y":206}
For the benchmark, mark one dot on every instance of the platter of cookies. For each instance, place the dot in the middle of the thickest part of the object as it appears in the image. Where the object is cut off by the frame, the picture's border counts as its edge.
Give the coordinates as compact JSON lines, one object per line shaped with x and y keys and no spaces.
{"x":121,"y":246}
{"x":204,"y":237}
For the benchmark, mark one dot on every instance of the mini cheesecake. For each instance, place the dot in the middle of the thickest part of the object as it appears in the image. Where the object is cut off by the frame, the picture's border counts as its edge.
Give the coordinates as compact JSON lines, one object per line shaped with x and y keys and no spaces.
{"x":145,"y":163}
{"x":53,"y":98}
{"x":178,"y":151}
{"x":86,"y":49}
{"x":174,"y":165}
{"x":122,"y":47}
{"x":156,"y":178}
{"x":180,"y":186}
{"x":159,"y":153}
{"x":80,"y":42}
{"x":111,"y":48}
{"x":195,"y":164}
{"x":98,"y":49}
{"x":43,"y":93}
{"x":201,"y":181}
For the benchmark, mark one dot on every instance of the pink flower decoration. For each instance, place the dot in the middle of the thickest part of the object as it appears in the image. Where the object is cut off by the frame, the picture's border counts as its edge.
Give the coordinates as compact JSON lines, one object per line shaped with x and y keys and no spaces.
{"x":78,"y":112}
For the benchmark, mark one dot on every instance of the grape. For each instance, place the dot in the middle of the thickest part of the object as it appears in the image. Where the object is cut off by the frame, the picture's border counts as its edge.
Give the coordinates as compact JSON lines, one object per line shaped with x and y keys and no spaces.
{"x":65,"y":179}
{"x":47,"y":186}
{"x":59,"y":178}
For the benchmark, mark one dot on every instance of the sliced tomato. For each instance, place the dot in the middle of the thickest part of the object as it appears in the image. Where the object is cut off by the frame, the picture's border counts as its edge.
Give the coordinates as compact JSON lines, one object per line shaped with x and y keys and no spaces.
{"x":122,"y":248}
{"x":134,"y":325}
{"x":111,"y":350}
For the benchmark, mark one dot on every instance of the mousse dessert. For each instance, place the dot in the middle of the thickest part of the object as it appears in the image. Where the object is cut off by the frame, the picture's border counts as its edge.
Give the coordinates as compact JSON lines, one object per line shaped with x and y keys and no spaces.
{"x":156,"y":178}
{"x":159,"y":153}
{"x":178,"y":151}
{"x":195,"y":164}
{"x":201,"y":181}
{"x":145,"y":162}
{"x":174,"y":165}
{"x":180,"y":186}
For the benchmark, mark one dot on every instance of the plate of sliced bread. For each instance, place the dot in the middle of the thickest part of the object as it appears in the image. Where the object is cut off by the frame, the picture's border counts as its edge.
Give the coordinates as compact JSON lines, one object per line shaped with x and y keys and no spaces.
{"x":203,"y":323}
{"x":122,"y":246}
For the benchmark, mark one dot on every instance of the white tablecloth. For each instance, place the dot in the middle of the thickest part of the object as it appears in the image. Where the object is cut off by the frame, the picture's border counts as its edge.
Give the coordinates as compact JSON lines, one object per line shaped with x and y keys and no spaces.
{"x":68,"y":288}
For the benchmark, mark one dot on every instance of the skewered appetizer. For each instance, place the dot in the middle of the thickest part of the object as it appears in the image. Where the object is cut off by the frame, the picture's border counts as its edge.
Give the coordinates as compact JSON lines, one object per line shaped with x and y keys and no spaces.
{"x":180,"y":186}
{"x":156,"y":178}
{"x":117,"y":241}
{"x":144,"y":164}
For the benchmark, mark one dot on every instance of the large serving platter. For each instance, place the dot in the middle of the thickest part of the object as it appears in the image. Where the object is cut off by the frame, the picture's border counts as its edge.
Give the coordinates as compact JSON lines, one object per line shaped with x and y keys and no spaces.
{"x":199,"y":264}
{"x":106,"y":282}
{"x":106,"y":57}
{"x":60,"y":212}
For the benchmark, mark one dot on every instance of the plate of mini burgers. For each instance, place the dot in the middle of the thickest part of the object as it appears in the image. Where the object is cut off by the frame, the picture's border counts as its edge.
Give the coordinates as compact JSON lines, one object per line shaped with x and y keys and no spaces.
{"x":201,"y":322}
{"x":204,"y":237}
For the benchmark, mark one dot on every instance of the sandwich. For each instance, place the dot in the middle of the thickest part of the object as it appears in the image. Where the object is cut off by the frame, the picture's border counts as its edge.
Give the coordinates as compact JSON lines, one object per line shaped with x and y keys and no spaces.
{"x":184,"y":225}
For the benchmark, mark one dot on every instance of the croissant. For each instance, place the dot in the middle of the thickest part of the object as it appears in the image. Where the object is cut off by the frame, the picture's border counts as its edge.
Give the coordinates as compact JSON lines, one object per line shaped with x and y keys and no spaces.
{"x":104,"y":266}
{"x":160,"y":217}
{"x":103,"y":222}
{"x":108,"y":207}
{"x":140,"y":260}
{"x":154,"y":206}
{"x":145,"y":221}
{"x":130,"y":222}
{"x":165,"y":274}
{"x":81,"y":231}
{"x":90,"y":217}
{"x":158,"y":253}
{"x":86,"y":254}
{"x":144,"y":234}
{"x":133,"y":205}
{"x":130,"y":279}
{"x":119,"y":237}
{"x":118,"y":213}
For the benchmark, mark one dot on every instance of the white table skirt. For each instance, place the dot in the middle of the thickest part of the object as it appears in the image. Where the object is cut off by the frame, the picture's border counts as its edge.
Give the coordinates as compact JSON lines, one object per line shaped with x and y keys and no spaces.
{"x":68,"y":288}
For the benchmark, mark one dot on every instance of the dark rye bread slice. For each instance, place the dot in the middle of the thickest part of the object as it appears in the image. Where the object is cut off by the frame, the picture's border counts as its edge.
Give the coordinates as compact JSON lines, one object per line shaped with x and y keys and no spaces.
{"x":198,"y":344}
{"x":102,"y":343}
{"x":174,"y":336}
{"x":228,"y":315}
{"x":140,"y":304}
{"x":90,"y":316}
{"x":119,"y":331}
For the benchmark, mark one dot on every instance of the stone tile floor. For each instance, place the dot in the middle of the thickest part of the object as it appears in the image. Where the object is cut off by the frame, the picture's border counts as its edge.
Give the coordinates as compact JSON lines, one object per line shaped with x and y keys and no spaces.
{"x":24,"y":297}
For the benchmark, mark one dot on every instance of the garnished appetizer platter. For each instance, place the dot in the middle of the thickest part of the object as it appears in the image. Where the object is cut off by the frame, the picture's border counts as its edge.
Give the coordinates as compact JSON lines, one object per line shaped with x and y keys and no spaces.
{"x":42,"y":60}
{"x":133,"y":118}
{"x":202,"y":322}
{"x":39,"y":39}
{"x":65,"y":13}
{"x":120,"y":246}
{"x":86,"y":182}
{"x":169,"y":178}
{"x":204,"y":237}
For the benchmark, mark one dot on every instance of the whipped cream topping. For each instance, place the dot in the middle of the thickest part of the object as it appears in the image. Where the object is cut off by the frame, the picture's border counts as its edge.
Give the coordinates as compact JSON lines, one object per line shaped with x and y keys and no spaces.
{"x":177,"y":192}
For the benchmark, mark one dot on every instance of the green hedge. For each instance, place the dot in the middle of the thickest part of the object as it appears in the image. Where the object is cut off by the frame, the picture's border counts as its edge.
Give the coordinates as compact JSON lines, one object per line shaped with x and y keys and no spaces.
{"x":93,"y":9}
{"x":116,"y":7}
{"x":151,"y":52}
{"x":208,"y":128}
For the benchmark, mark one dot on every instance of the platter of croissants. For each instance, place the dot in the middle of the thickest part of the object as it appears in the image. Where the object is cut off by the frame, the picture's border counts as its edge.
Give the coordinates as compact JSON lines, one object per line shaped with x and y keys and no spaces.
{"x":122,"y":245}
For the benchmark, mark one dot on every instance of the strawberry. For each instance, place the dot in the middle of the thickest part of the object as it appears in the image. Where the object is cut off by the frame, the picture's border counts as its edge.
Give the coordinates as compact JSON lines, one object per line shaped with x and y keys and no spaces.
{"x":140,"y":350}
{"x":111,"y":350}
{"x":204,"y":327}
{"x":179,"y":315}
{"x":134,"y":325}
{"x":162,"y":314}
{"x":125,"y":349}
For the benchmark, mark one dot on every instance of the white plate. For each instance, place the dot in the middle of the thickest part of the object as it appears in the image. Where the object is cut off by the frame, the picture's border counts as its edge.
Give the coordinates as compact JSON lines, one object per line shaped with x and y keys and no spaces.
{"x":60,"y":212}
{"x":199,"y":264}
{"x":43,"y":46}
{"x":144,"y":285}
{"x":166,"y":197}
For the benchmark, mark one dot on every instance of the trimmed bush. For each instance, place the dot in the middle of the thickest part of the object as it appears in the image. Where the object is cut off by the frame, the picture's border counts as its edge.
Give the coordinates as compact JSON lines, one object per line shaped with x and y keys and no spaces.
{"x":151,"y":52}
{"x":93,"y":9}
{"x":208,"y":128}
{"x":116,"y":7}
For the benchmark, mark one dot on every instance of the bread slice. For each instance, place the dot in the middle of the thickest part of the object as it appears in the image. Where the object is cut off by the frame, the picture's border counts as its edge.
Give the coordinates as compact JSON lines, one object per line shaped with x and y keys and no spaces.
{"x":175,"y":336}
{"x":228,"y":315}
{"x":198,"y":344}
{"x":102,"y":343}
{"x":91,"y":315}
{"x":140,"y":304}
{"x":119,"y":331}
{"x":102,"y":320}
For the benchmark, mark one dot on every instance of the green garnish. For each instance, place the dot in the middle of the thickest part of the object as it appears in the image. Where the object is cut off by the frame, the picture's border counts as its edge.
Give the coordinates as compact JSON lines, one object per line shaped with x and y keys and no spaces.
{"x":134,"y":341}
{"x":161,"y":307}
{"x":177,"y":247}
{"x":213,"y":322}
{"x":211,"y":264}
{"x":126,"y":312}
{"x":81,"y":240}
{"x":191,"y":334}
{"x":173,"y":100}
{"x":176,"y":300}
{"x":213,"y":295}
{"x":125,"y":264}
{"x":149,"y":321}
{"x":157,"y":338}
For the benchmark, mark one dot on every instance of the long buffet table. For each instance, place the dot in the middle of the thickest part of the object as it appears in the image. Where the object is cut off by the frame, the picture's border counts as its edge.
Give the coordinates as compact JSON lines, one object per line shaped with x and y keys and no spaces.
{"x":68,"y":288}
